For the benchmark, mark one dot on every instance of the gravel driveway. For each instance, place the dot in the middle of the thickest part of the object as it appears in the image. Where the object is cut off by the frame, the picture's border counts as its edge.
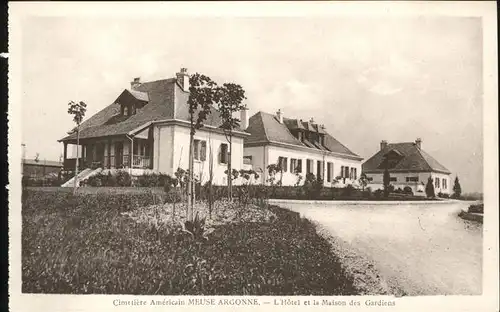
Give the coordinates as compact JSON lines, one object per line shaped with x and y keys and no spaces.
{"x":419,"y":249}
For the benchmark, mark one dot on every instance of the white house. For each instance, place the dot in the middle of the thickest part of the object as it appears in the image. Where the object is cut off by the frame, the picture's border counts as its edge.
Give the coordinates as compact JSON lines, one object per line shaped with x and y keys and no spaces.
{"x":300,"y":147}
{"x":409,"y":166}
{"x":146,"y":129}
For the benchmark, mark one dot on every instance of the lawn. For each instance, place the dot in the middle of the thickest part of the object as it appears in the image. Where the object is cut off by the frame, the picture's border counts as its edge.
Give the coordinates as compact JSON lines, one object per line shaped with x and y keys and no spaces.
{"x":90,"y":244}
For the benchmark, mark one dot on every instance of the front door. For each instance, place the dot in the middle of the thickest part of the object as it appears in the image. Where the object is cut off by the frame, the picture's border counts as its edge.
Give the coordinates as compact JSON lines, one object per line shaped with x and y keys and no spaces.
{"x":119,"y":154}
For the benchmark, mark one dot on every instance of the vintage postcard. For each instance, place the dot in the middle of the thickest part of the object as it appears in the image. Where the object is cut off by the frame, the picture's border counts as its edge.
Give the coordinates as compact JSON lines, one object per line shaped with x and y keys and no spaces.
{"x":180,"y":156}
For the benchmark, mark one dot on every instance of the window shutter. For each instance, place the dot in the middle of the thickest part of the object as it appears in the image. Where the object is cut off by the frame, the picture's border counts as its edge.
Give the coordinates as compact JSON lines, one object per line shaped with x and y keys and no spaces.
{"x":196,"y":149}
{"x":203,"y":151}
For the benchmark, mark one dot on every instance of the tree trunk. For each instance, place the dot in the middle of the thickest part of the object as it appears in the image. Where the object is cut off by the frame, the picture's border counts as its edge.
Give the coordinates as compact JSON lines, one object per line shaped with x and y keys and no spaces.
{"x":75,"y":180}
{"x":229,"y":169}
{"x":189,"y":215}
{"x":210,"y":177}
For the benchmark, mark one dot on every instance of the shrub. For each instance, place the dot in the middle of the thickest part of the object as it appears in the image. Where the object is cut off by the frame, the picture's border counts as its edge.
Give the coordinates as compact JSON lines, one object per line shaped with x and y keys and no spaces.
{"x":367,"y":193}
{"x":407,"y":190}
{"x":348,"y":191}
{"x":429,"y":188}
{"x":443,"y":195}
{"x":123,"y":178}
{"x":378,"y":193}
{"x":479,"y":208}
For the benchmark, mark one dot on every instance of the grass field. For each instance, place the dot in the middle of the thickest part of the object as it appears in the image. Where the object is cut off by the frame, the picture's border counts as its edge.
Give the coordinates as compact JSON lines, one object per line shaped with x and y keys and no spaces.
{"x":85,"y":244}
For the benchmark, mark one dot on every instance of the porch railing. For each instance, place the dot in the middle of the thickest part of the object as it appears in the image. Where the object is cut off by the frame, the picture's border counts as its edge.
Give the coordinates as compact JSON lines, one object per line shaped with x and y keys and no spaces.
{"x":140,"y":161}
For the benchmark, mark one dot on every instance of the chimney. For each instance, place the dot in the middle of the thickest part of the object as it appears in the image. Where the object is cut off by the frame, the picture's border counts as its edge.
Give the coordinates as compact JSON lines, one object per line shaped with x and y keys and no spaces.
{"x":418,"y":143}
{"x":244,"y":119}
{"x":183,"y":79}
{"x":135,"y":83}
{"x":383,"y":144}
{"x":279,"y":115}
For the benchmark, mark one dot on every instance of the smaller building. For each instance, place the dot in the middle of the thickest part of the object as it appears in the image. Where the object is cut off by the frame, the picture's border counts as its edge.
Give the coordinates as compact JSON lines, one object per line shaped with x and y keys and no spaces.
{"x":300,"y":148}
{"x":409,"y":166}
{"x":33,"y":168}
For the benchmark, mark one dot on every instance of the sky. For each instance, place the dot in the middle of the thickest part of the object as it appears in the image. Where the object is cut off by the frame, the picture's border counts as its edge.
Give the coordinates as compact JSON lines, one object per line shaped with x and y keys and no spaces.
{"x":366,"y":79}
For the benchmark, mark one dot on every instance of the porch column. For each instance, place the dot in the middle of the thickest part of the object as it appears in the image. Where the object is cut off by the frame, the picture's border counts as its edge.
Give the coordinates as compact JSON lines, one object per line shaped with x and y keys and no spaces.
{"x":65,"y":152}
{"x":109,"y":153}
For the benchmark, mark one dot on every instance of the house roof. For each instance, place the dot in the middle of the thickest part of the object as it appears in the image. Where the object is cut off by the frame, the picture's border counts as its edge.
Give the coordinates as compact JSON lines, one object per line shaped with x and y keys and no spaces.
{"x":265,"y":128}
{"x":412,"y":159}
{"x":165,"y":100}
{"x":41,"y":162}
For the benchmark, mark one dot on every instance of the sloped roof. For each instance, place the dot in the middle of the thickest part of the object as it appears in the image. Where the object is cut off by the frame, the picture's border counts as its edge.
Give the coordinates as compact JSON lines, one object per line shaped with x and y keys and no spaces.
{"x":165,"y":100}
{"x":142,"y":96}
{"x":265,"y":128}
{"x":413,"y":159}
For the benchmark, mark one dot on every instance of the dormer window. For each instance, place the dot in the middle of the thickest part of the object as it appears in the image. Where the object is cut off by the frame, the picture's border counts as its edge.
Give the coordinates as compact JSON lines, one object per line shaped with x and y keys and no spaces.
{"x":125,"y":111}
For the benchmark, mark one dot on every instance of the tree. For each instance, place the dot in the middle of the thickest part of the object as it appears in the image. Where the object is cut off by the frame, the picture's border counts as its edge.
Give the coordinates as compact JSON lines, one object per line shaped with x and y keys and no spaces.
{"x":363,"y":181}
{"x":202,"y":95}
{"x":429,"y":188}
{"x":457,"y":189}
{"x":77,"y":110}
{"x":230,"y":97}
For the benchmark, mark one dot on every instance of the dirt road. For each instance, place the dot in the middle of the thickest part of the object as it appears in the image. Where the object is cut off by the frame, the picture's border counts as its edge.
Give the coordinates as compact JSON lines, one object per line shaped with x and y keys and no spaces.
{"x":420,"y":249}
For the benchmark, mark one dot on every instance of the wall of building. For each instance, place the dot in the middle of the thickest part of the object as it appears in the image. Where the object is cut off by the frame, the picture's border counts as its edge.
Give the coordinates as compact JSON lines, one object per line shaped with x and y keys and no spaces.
{"x":258,"y":160}
{"x":417,"y":187}
{"x":172,"y":151}
{"x":289,"y":178}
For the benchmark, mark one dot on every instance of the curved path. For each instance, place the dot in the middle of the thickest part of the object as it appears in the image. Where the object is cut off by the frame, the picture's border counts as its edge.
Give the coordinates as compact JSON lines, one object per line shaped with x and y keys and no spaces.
{"x":419,"y":249}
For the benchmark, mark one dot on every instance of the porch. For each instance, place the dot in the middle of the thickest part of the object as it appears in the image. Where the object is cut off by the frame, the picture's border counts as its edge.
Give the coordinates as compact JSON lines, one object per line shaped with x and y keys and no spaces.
{"x":116,"y":153}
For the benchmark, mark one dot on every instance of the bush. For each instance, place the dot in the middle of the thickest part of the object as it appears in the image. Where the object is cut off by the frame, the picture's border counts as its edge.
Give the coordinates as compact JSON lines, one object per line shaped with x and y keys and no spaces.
{"x":479,"y":208}
{"x":123,"y":178}
{"x":154,"y":180}
{"x":407,"y":190}
{"x":348,"y":191}
{"x":379,"y":193}
{"x":443,"y":195}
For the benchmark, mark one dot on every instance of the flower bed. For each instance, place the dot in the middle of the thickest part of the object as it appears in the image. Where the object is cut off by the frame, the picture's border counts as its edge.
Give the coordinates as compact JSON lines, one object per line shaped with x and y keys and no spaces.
{"x":224,"y":212}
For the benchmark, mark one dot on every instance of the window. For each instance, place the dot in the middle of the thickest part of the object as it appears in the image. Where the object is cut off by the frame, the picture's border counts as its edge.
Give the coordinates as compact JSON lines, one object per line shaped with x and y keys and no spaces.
{"x":125,"y":111}
{"x":310,"y":164}
{"x":436,"y":182}
{"x":329,"y":171}
{"x":319,"y":170}
{"x":342,"y":171}
{"x":223,"y":153}
{"x":200,"y":150}
{"x":299,"y":165}
{"x":283,"y":163}
{"x":393,"y":179}
{"x":346,"y":173}
{"x":300,"y":136}
{"x":445,"y":184}
{"x":411,"y":179}
{"x":293,"y":165}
